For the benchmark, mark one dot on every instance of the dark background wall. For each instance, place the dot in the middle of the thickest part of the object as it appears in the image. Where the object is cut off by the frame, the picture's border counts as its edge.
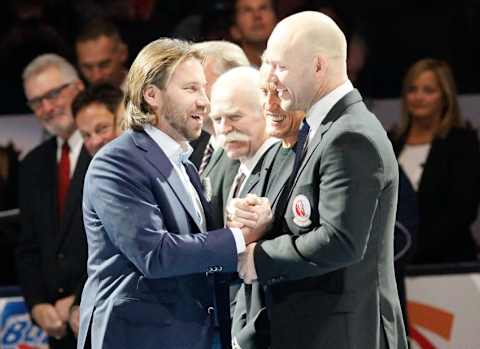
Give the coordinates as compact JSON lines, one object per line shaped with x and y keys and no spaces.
{"x":397,"y":34}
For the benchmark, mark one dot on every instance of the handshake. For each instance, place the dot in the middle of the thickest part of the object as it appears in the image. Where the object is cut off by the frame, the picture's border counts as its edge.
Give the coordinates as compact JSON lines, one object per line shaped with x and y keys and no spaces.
{"x":253,"y":216}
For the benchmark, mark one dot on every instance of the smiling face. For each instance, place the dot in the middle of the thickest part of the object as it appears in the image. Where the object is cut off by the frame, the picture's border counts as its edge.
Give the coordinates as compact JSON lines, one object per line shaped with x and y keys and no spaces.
{"x":96,"y":125}
{"x":50,"y":96}
{"x":291,"y":68}
{"x":424,"y":97}
{"x":184,"y":102}
{"x":280,"y":123}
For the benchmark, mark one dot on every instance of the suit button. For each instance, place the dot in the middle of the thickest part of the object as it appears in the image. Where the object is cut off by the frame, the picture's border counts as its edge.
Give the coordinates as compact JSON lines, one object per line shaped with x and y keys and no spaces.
{"x":210,"y":310}
{"x":61,"y":290}
{"x":60,"y":256}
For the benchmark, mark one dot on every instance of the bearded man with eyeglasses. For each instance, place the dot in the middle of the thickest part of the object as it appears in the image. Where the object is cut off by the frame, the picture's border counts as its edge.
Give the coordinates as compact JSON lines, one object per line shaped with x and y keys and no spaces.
{"x":52,"y":252}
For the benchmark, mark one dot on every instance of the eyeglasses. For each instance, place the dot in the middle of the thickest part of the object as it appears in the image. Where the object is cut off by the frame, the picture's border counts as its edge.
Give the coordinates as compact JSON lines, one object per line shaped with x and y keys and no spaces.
{"x":50,"y":96}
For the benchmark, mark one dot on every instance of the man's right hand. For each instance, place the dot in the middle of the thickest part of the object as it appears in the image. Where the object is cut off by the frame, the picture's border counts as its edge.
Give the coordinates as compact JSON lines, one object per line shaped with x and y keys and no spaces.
{"x":48,"y":319}
{"x":253,"y":215}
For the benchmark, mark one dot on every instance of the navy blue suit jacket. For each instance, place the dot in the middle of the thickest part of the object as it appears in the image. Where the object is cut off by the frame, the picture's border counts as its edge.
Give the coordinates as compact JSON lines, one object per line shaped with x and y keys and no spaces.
{"x":149,"y":260}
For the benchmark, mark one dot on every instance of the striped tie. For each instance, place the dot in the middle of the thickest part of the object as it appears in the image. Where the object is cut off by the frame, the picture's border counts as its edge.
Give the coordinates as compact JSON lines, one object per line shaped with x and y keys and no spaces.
{"x":207,"y":155}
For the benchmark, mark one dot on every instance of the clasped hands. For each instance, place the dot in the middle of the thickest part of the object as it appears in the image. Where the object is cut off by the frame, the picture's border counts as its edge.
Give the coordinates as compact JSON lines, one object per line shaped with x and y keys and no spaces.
{"x":253,"y":216}
{"x":53,"y":318}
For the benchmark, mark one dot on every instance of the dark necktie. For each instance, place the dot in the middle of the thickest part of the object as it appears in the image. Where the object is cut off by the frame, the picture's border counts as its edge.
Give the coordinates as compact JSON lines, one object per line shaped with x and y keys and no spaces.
{"x":63,"y":177}
{"x":300,"y":151}
{"x":207,"y":155}
{"x":238,"y":185}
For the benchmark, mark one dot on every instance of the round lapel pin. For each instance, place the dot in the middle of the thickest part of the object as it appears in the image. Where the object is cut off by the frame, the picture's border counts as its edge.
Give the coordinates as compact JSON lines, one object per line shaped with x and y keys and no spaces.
{"x":301,"y":211}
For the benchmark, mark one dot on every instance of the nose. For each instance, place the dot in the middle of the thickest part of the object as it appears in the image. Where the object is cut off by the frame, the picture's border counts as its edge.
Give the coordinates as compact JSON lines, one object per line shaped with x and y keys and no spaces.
{"x":225,"y":126}
{"x":96,"y":74}
{"x":202,"y":100}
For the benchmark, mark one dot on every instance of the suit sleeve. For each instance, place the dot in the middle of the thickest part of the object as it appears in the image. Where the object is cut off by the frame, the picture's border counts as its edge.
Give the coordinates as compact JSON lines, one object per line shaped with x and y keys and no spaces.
{"x":351,"y":175}
{"x":28,"y":258}
{"x":120,"y":200}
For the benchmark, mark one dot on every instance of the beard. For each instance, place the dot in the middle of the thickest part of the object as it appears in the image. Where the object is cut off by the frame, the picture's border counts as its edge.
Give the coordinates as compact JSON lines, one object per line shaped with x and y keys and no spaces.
{"x":179,"y":121}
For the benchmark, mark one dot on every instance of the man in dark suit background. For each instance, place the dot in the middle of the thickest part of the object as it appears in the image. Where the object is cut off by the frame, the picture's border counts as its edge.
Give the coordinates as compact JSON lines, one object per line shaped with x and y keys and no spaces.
{"x":52,"y":252}
{"x":327,"y":263}
{"x":219,"y":57}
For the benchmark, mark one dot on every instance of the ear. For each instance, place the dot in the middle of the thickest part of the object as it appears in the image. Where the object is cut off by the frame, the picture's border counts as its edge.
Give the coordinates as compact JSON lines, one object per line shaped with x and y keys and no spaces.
{"x":235,"y":33}
{"x":320,"y":65}
{"x":153,"y":96}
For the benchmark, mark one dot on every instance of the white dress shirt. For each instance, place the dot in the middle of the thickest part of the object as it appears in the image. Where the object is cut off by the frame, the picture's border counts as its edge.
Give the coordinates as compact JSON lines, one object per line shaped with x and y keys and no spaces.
{"x":320,"y":109}
{"x":177,"y":153}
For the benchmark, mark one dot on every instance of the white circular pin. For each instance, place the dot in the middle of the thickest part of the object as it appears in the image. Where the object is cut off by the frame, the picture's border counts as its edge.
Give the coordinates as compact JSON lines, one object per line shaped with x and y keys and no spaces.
{"x":301,"y":211}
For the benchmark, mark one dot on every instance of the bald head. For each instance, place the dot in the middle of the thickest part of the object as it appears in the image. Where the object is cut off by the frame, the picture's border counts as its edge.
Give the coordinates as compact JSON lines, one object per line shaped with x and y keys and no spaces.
{"x":311,"y":31}
{"x":236,"y":111}
{"x":307,"y":55}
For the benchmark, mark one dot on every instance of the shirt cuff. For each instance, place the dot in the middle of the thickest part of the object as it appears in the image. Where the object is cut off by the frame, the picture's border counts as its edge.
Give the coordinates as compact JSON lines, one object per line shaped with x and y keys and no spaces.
{"x":239,"y":240}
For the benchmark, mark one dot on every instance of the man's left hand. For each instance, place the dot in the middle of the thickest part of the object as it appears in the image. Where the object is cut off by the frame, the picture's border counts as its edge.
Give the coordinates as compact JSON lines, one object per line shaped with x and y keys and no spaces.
{"x":246,"y":265}
{"x":62,"y":306}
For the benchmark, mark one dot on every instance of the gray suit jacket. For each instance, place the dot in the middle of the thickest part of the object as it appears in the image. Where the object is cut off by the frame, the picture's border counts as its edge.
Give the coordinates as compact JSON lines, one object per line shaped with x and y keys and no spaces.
{"x":148,"y":256}
{"x":217,"y":178}
{"x":250,"y":324}
{"x":328,"y":275}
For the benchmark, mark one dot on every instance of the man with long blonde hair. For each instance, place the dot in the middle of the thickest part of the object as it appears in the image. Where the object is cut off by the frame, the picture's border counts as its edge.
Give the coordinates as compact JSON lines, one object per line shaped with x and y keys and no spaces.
{"x":154,"y":256}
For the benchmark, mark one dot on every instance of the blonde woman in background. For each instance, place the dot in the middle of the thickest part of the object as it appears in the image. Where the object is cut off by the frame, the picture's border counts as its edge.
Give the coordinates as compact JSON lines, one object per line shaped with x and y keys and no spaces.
{"x":440,"y":156}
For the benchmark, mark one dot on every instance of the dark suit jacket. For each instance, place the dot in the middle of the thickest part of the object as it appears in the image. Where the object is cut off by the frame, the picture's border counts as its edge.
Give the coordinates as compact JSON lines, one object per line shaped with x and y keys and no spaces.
{"x":448,"y":197}
{"x":329,"y":276}
{"x":51,"y":255}
{"x":147,"y":285}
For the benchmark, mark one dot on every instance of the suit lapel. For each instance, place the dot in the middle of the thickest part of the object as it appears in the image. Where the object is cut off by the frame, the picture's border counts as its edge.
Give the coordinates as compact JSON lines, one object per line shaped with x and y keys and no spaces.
{"x":250,"y":183}
{"x":276,"y":187}
{"x":216,"y":156}
{"x":334,"y":114}
{"x":159,"y":160}
{"x":254,"y":178}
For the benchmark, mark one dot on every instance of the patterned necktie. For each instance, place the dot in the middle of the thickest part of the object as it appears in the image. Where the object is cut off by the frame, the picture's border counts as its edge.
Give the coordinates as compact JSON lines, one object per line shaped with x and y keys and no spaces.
{"x":63,"y":177}
{"x":207,"y":155}
{"x":238,"y":185}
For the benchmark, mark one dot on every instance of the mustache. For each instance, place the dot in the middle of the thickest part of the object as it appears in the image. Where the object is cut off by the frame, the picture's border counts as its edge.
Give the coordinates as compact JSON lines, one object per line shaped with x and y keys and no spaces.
{"x":233,"y":136}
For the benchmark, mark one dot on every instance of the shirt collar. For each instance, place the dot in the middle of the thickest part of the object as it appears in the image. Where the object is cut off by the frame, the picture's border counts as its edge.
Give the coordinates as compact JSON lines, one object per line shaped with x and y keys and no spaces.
{"x":175,"y":151}
{"x":320,"y":109}
{"x":74,"y":142}
{"x":247,"y":166}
